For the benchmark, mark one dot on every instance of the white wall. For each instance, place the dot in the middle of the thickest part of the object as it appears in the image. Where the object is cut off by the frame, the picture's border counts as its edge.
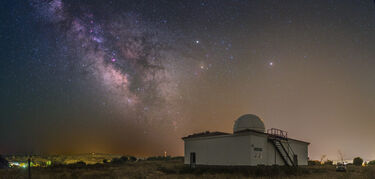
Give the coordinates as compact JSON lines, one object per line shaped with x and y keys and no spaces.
{"x":301,"y":150}
{"x":229,"y":150}
{"x":249,"y":149}
{"x":273,"y":157}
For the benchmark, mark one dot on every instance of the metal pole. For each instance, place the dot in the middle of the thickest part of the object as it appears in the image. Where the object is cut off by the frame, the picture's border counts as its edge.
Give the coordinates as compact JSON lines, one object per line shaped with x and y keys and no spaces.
{"x":29,"y":167}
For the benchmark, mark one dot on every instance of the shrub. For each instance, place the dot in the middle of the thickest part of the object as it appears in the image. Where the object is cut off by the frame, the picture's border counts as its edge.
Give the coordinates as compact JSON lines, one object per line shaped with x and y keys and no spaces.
{"x":158,"y":158}
{"x":124,"y":158}
{"x":80,"y":163}
{"x":358,"y":161}
{"x":120,"y":160}
{"x":328,"y":162}
{"x":116,"y":161}
{"x":132,"y":159}
{"x":313,"y":162}
{"x":3,"y":162}
{"x":372,"y":162}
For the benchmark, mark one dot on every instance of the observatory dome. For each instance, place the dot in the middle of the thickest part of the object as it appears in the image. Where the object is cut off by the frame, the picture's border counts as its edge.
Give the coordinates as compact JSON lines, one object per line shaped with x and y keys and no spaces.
{"x":249,"y":121}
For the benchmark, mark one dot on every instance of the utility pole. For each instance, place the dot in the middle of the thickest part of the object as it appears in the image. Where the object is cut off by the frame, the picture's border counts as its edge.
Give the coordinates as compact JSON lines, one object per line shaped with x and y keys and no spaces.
{"x":29,"y":167}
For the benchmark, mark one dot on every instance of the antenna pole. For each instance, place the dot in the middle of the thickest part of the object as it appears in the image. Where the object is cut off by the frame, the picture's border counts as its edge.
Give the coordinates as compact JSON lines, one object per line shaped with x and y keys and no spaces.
{"x":29,"y":167}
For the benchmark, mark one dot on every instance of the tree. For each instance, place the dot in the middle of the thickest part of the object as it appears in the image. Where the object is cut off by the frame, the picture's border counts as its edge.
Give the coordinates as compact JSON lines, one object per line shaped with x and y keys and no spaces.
{"x":322,"y":158}
{"x":341,"y":156}
{"x":372,"y":162}
{"x":358,"y":161}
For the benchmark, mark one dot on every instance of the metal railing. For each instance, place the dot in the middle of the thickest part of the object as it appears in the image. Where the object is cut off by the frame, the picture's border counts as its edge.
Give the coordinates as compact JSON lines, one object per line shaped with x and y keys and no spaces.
{"x":278,"y":133}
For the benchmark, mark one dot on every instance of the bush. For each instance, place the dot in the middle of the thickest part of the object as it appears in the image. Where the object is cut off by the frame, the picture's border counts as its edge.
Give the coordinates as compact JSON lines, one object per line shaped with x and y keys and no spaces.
{"x":358,"y":161}
{"x":313,"y":163}
{"x":158,"y":158}
{"x":120,"y":160}
{"x":3,"y":162}
{"x":80,"y":163}
{"x":371,"y":162}
{"x":328,"y":162}
{"x":124,"y":158}
{"x":167,"y":158}
{"x":132,"y":158}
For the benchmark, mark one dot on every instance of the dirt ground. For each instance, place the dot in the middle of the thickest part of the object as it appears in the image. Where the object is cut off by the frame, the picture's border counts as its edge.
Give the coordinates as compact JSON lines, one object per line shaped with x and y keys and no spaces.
{"x":176,"y":169}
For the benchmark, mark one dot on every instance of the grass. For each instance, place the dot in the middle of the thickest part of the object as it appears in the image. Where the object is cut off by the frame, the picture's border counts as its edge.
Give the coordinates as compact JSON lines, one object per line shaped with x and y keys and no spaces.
{"x":176,"y":169}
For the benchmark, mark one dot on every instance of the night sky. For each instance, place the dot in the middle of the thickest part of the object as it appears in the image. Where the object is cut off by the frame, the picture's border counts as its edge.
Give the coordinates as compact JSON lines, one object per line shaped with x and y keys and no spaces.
{"x":133,"y":77}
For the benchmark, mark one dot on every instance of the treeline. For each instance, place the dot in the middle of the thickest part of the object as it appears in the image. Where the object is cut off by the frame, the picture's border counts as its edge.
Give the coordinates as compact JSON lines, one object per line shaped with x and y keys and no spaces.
{"x":130,"y":159}
{"x":81,"y":163}
{"x":357,"y":161}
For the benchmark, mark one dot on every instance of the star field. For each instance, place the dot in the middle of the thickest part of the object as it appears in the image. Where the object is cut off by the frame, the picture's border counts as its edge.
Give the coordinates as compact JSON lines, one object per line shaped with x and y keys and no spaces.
{"x":135,"y":76}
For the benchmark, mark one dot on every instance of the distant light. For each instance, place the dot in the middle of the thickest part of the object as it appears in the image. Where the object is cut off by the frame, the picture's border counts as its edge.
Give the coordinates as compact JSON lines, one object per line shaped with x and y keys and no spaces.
{"x":197,"y":41}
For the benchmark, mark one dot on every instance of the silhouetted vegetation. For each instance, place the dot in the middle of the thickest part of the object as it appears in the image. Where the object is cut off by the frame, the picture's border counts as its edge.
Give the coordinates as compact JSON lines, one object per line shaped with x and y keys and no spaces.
{"x":371,"y":162}
{"x":132,"y":158}
{"x":174,"y":168}
{"x":79,"y":164}
{"x":3,"y":162}
{"x":328,"y":162}
{"x":119,"y":160}
{"x":314,"y":163}
{"x":358,"y":161}
{"x":167,"y":158}
{"x":123,"y":159}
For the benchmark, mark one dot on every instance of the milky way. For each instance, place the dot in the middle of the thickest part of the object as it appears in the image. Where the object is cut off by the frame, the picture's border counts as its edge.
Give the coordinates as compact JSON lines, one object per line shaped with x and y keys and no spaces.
{"x":123,"y":54}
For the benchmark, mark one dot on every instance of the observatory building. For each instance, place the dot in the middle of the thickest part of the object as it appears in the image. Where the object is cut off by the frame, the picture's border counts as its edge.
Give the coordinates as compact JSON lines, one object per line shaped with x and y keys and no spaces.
{"x":249,"y":145}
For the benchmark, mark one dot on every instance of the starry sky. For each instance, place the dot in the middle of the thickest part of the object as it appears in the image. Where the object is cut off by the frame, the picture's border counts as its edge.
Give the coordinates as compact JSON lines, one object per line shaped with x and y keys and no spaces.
{"x":133,"y":77}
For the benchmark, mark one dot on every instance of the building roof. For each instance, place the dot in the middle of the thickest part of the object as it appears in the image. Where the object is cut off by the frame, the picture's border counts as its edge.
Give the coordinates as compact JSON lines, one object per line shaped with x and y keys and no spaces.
{"x":223,"y":134}
{"x":205,"y":134}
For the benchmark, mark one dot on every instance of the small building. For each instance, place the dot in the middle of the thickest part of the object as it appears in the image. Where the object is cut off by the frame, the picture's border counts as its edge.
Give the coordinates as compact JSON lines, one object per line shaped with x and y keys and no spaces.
{"x":249,"y":145}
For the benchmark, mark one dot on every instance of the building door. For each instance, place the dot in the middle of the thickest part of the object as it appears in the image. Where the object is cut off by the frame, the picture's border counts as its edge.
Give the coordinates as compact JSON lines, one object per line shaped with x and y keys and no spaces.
{"x":295,"y":159}
{"x":192,"y":159}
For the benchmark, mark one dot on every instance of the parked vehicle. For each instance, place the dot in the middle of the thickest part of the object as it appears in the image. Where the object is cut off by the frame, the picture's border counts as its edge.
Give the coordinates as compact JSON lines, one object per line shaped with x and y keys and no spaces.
{"x":341,"y":167}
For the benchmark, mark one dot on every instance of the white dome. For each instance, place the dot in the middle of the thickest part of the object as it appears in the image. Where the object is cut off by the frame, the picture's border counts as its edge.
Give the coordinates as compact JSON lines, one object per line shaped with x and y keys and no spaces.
{"x":249,"y":121}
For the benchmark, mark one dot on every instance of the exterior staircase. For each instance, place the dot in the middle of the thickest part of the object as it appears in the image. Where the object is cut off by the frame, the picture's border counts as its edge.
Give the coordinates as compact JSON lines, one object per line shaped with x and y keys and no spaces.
{"x":279,"y":139}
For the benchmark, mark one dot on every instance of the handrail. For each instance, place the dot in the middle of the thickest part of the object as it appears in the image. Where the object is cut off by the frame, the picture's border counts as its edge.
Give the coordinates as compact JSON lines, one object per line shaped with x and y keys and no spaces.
{"x":278,"y":133}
